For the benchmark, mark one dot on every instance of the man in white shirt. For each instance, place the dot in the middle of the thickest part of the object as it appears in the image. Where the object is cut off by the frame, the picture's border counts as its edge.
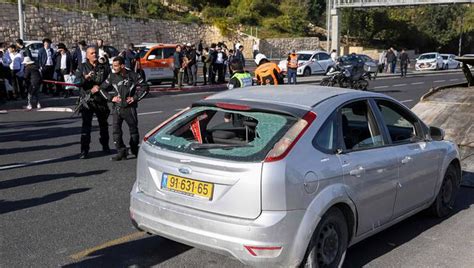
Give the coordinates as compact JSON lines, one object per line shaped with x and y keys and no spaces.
{"x":14,"y":60}
{"x":46,"y":63}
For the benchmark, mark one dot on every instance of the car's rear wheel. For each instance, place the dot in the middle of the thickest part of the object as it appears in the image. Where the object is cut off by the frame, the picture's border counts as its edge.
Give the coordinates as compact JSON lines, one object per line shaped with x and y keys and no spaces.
{"x":443,"y":204}
{"x":307,"y":71}
{"x":329,"y":242}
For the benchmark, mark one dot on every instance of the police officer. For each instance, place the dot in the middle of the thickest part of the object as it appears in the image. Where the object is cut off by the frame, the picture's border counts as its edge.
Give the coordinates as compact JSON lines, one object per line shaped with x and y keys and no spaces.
{"x":240,"y":78}
{"x":292,"y":67}
{"x":267,"y":72}
{"x":91,"y":75}
{"x":124,"y":95}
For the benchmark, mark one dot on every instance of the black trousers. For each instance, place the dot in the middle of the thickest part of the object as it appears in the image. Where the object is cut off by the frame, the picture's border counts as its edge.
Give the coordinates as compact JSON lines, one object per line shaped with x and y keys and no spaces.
{"x":219,"y":70}
{"x":102,"y":112}
{"x":47,"y":73}
{"x":403,"y":68}
{"x":212,"y":74}
{"x":204,"y":73}
{"x":129,"y":115}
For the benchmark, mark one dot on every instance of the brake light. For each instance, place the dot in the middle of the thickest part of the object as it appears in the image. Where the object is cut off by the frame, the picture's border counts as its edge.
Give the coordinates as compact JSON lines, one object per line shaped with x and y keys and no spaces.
{"x":232,"y":106}
{"x":263,"y":251}
{"x":153,"y":131}
{"x":284,"y":145}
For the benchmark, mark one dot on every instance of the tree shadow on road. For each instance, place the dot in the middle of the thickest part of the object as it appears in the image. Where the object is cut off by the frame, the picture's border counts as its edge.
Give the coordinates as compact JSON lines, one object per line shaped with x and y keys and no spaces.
{"x":145,"y":252}
{"x":37,"y":124}
{"x":10,"y":206}
{"x":380,"y":244}
{"x":45,"y":177}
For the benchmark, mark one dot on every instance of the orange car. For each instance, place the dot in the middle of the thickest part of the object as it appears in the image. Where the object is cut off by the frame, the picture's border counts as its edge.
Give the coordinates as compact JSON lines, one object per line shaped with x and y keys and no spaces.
{"x":156,"y":62}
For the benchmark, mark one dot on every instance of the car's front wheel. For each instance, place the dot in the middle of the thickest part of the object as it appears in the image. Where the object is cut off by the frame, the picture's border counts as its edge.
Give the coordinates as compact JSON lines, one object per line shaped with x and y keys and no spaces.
{"x":307,"y":71}
{"x":443,"y":204}
{"x":329,"y":242}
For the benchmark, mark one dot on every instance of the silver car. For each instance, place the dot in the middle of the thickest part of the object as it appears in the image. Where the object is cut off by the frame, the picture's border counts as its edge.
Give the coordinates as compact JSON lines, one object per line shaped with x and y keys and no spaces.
{"x":290,"y":175}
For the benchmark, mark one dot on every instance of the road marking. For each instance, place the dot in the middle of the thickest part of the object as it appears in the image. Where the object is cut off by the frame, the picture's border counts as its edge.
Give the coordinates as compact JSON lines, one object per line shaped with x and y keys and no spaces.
{"x":439,"y":81}
{"x":28,"y":163}
{"x":156,"y":112}
{"x":179,"y":110}
{"x":399,"y":85}
{"x":380,"y":87}
{"x":417,"y":83}
{"x":117,"y":241}
{"x":456,"y":79}
{"x":190,"y":94}
{"x":56,"y":109}
{"x":403,"y":101}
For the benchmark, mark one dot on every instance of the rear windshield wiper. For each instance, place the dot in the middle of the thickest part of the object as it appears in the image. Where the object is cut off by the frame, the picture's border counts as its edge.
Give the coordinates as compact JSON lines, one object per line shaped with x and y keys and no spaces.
{"x":206,"y":146}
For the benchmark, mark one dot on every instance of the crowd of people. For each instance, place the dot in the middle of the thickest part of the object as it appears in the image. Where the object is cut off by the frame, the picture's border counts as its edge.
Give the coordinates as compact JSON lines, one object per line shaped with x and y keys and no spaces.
{"x":388,"y":61}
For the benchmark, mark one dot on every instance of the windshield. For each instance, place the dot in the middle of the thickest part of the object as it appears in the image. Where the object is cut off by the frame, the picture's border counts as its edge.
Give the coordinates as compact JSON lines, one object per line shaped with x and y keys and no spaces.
{"x":224,"y":134}
{"x":304,"y":57}
{"x":427,"y":56}
{"x":142,"y":52}
{"x":445,"y":57}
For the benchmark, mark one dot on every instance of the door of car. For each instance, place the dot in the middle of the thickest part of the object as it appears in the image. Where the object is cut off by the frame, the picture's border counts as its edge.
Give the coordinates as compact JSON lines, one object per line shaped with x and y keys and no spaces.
{"x":155,"y":64}
{"x":317,"y":65}
{"x":370,"y":168}
{"x":325,"y":61}
{"x":417,"y":158}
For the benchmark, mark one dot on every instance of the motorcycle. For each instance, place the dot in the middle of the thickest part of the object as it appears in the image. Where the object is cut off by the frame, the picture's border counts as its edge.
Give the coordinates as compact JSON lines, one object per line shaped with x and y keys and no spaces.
{"x":347,"y":77}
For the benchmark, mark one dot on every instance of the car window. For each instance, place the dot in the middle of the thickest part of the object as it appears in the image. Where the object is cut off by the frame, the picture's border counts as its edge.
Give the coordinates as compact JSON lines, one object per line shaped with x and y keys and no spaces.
{"x":158,"y":52}
{"x":427,"y":56}
{"x":400,"y":124}
{"x":325,"y":139}
{"x":304,"y":57}
{"x":168,"y":52}
{"x":323,"y":56}
{"x":224,"y":134}
{"x":359,"y":128}
{"x":445,"y":57}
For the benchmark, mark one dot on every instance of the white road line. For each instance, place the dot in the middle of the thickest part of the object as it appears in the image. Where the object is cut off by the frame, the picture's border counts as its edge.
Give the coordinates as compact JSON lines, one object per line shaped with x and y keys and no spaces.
{"x":180,"y":109}
{"x":439,"y":81}
{"x":28,"y":163}
{"x":156,"y":112}
{"x":380,"y":87}
{"x":417,"y":83}
{"x":56,"y":109}
{"x":455,"y":79}
{"x":190,"y":94}
{"x":399,"y":85}
{"x":403,"y":101}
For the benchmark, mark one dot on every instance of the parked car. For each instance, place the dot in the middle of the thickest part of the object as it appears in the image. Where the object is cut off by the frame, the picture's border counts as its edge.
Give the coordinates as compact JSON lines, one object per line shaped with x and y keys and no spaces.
{"x":310,"y":62}
{"x":370,"y":65}
{"x":429,"y":61}
{"x":290,"y":175}
{"x":467,"y":55}
{"x":34,"y":47}
{"x":156,"y":62}
{"x":450,"y":62}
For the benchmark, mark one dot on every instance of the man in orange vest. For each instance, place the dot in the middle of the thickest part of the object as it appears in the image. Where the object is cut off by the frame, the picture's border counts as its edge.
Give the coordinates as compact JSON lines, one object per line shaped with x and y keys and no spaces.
{"x":267,"y":72}
{"x":291,"y":67}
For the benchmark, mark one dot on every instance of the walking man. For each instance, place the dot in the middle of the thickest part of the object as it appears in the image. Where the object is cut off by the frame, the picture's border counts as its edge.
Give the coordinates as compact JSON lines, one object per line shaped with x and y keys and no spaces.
{"x":124,"y":98}
{"x":91,"y":75}
{"x":404,"y":61}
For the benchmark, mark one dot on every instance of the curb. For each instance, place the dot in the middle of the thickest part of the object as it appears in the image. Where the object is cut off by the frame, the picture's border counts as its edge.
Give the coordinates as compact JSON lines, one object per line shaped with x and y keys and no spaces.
{"x":436,"y":89}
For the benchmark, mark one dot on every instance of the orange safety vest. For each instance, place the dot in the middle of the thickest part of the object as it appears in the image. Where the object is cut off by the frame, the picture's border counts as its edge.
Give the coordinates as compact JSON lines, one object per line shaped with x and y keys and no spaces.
{"x":265,"y":74}
{"x":293,"y":62}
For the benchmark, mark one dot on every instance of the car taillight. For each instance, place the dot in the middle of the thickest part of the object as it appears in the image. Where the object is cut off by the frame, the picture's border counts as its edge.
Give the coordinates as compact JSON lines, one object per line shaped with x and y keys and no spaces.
{"x":153,"y":131}
{"x":232,"y":106}
{"x":263,"y":251}
{"x":284,"y":145}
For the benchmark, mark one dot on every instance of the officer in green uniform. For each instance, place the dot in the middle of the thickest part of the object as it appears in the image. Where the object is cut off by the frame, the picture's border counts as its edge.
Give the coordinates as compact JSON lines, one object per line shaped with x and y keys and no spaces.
{"x":240,"y":78}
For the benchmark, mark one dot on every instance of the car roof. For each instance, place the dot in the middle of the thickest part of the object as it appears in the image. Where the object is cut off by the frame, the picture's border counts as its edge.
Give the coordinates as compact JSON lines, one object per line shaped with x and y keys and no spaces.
{"x":309,"y":51}
{"x":296,"y":96}
{"x":427,"y":53}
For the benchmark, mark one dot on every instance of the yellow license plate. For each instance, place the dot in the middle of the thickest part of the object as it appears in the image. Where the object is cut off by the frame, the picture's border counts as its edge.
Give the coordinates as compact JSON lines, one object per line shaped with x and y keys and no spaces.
{"x":187,"y":186}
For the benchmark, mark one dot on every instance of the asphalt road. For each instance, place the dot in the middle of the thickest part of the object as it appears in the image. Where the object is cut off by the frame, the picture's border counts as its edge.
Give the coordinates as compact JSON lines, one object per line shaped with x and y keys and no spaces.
{"x":57,"y":210}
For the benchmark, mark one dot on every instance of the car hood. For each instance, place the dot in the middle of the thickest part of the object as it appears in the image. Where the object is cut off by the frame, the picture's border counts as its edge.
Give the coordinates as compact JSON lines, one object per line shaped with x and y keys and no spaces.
{"x":425,"y":60}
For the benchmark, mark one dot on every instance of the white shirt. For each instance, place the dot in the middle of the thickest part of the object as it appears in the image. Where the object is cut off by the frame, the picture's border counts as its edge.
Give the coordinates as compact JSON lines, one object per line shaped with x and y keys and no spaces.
{"x":83,"y":53}
{"x":255,"y":47}
{"x":49,"y":61}
{"x":334,"y":56}
{"x":16,"y":61}
{"x":63,"y":61}
{"x":220,"y":57}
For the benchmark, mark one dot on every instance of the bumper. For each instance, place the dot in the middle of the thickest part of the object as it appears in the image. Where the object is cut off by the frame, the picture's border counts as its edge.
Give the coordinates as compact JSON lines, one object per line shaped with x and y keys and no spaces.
{"x":425,"y":67}
{"x":221,"y":234}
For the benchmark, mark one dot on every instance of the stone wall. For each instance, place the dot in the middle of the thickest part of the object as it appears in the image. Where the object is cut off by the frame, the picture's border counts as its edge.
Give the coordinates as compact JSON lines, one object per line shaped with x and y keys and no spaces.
{"x":67,"y":26}
{"x":279,"y":47}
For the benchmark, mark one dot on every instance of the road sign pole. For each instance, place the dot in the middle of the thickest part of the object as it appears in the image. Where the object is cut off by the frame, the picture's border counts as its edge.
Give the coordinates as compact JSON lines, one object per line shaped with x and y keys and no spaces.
{"x":20,"y":18}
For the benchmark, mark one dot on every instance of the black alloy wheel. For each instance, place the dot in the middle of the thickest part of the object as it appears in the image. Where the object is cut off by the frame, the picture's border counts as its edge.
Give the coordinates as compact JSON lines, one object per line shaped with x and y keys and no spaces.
{"x":444,"y":202}
{"x":307,"y":71}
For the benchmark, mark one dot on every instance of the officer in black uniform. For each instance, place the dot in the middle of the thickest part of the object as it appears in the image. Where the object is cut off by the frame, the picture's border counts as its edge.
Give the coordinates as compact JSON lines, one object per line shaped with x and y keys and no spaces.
{"x":90,"y":76}
{"x":121,"y":89}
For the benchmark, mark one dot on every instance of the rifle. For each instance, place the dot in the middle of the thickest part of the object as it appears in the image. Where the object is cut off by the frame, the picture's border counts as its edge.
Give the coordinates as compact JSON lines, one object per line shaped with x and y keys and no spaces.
{"x":83,"y":100}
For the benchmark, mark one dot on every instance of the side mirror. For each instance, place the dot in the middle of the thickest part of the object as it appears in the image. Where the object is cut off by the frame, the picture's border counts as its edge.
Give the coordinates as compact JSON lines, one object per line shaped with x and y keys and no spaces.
{"x":151,"y":57}
{"x":436,"y":133}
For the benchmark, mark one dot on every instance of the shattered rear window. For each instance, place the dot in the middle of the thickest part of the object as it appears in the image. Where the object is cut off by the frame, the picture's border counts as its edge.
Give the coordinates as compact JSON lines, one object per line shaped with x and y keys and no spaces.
{"x":224,"y":134}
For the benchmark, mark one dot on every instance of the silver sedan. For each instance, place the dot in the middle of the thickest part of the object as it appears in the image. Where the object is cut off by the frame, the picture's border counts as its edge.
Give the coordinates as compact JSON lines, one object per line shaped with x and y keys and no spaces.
{"x":290,"y":175}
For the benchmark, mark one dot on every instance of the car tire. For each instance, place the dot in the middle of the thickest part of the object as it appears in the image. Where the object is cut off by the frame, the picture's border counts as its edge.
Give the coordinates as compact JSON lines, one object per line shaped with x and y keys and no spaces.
{"x":328,"y":244}
{"x":443,"y":204}
{"x":307,"y":71}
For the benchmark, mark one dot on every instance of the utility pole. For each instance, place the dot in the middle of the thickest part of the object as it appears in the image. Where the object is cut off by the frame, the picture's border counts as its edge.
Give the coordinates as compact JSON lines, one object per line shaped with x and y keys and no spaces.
{"x":460,"y":37}
{"x":20,"y":18}
{"x":328,"y":24}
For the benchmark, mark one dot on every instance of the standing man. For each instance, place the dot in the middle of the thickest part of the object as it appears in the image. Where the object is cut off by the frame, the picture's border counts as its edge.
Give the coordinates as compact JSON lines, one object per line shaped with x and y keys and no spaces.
{"x":211,"y":59}
{"x":255,"y":48}
{"x":129,"y":56}
{"x":267,"y":72}
{"x":91,"y":75}
{"x":239,"y":54}
{"x":63,"y":68}
{"x":46,"y":64}
{"x":391,"y":60}
{"x":191,"y":68}
{"x":79,"y":55}
{"x":220,"y":59}
{"x":24,"y":51}
{"x":404,"y":61}
{"x":334,"y":55}
{"x":15,"y":61}
{"x":292,"y":67}
{"x":204,"y":56}
{"x":124,"y":98}
{"x":178,"y":62}
{"x":240,"y":78}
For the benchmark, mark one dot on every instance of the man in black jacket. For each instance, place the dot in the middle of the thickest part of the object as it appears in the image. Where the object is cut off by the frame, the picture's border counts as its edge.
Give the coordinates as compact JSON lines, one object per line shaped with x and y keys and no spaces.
{"x":63,"y":67}
{"x":46,"y":63}
{"x":124,"y":95}
{"x":90,"y":76}
{"x":192,"y":65}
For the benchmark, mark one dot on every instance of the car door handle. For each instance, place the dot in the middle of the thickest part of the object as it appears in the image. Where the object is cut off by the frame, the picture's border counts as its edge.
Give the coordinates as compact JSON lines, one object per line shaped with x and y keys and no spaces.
{"x":406,"y":159}
{"x":357,"y":172}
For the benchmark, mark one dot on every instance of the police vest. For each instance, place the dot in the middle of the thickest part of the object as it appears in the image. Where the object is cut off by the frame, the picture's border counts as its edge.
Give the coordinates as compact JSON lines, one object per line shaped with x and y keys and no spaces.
{"x":244,"y":78}
{"x":293,"y":62}
{"x":265,"y":74}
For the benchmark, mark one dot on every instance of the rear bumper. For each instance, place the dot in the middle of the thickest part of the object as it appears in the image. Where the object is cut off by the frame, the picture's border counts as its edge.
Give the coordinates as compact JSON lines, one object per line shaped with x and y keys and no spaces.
{"x":221,"y":234}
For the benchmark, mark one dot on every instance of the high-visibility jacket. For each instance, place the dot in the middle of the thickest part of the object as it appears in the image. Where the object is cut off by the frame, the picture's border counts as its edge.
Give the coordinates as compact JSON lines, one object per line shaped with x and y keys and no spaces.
{"x":268,"y":74}
{"x":244,"y":78}
{"x":292,"y":61}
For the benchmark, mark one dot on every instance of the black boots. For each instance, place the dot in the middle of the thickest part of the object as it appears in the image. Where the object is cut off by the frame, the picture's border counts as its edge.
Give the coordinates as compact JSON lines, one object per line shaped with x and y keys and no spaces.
{"x":83,"y":155}
{"x":121,"y":155}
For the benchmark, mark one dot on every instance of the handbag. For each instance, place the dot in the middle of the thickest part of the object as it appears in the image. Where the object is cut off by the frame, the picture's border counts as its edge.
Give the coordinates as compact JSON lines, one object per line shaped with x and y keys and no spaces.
{"x":71,"y":79}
